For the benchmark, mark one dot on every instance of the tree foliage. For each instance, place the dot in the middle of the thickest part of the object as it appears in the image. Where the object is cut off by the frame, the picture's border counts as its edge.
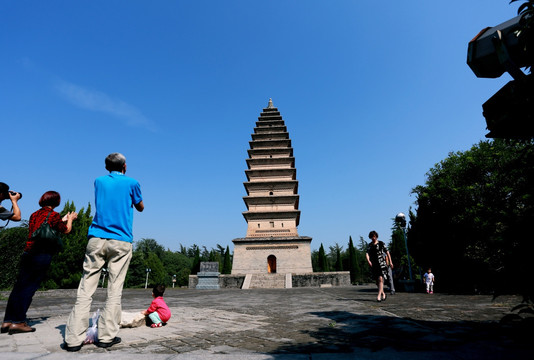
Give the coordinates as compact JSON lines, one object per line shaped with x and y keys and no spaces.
{"x":473,"y":217}
{"x":335,"y":257}
{"x":195,"y":267}
{"x":66,"y":268}
{"x":148,"y":246}
{"x":12,"y":242}
{"x":322,"y":261}
{"x":227,"y":263}
{"x":354,"y":263}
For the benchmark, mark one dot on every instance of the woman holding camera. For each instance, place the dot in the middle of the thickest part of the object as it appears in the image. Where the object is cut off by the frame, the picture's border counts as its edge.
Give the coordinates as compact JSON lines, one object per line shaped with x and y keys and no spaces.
{"x":35,"y":262}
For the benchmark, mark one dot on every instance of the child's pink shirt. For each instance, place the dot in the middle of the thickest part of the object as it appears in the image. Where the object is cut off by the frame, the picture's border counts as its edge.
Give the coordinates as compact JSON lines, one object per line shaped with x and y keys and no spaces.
{"x":158,"y":305}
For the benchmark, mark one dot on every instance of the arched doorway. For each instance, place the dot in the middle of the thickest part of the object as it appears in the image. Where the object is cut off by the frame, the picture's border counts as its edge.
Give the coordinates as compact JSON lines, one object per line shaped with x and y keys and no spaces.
{"x":271,"y":264}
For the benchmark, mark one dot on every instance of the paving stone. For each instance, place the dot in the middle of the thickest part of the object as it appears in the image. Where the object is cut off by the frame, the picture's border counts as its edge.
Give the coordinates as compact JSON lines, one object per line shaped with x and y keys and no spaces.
{"x":297,"y":323}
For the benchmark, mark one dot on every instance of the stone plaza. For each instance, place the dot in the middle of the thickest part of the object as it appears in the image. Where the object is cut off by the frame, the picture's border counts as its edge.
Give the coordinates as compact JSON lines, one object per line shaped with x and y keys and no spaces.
{"x":342,"y":322}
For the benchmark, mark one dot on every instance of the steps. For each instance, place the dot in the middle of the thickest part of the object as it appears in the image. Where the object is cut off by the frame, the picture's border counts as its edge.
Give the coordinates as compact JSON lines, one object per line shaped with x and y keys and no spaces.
{"x":267,"y":281}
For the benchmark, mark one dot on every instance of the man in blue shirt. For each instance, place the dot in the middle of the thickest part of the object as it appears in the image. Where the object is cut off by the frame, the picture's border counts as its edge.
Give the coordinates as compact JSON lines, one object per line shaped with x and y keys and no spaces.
{"x":110,"y":240}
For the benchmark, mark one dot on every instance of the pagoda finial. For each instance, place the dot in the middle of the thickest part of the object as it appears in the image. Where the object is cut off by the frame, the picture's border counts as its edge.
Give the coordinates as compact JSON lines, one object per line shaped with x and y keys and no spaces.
{"x":270,"y":105}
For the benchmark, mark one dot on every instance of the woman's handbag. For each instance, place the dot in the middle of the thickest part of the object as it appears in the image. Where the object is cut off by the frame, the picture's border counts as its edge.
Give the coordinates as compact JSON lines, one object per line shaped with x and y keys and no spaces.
{"x":47,"y":239}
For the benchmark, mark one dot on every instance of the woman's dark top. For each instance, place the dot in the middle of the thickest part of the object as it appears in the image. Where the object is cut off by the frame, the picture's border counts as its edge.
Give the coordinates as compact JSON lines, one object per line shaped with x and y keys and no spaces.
{"x":37,"y":218}
{"x":377,"y":257}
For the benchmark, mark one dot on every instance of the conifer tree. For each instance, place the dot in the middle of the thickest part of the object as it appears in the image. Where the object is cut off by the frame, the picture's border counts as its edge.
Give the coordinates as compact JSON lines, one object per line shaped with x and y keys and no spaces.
{"x":227,"y":264}
{"x":339,"y":264}
{"x":322,"y":261}
{"x":355,"y":271}
{"x":195,"y":268}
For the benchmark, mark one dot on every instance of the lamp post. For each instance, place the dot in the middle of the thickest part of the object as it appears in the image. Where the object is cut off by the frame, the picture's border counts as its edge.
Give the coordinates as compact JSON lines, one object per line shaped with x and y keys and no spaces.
{"x":104,"y":272}
{"x":147,"y":271}
{"x":400,"y":219}
{"x":173,"y":280}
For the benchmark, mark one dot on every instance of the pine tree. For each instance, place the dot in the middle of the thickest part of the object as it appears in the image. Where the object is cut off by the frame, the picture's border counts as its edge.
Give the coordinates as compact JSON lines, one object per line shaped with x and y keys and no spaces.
{"x":339,"y":264}
{"x":322,"y":261}
{"x":195,"y":268}
{"x":227,"y":264}
{"x":355,"y":270}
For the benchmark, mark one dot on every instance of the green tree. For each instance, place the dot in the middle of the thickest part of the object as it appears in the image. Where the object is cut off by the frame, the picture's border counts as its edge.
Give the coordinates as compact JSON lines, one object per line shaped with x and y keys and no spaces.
{"x":67,"y":266}
{"x":157,"y":274}
{"x":12,"y":242}
{"x":322,"y":262}
{"x":364,"y":266}
{"x":315,"y":260}
{"x":339,"y":261}
{"x":147,"y":246}
{"x":397,"y":248}
{"x":174,"y":264}
{"x":335,"y":257}
{"x":472,"y":216}
{"x":227,"y":264}
{"x":195,"y":267}
{"x":354,"y":265}
{"x":135,"y":277}
{"x":362,"y":246}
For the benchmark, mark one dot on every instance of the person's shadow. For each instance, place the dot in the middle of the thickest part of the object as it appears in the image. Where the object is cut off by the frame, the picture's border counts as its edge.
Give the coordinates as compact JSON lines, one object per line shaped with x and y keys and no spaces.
{"x":61,"y":329}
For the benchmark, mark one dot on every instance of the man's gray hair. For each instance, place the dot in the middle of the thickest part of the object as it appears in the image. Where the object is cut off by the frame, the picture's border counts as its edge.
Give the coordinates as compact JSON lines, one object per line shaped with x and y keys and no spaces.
{"x":115,"y":162}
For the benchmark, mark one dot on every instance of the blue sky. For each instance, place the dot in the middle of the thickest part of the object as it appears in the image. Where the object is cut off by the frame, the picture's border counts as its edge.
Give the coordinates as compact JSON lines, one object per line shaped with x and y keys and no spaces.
{"x":373,"y":95}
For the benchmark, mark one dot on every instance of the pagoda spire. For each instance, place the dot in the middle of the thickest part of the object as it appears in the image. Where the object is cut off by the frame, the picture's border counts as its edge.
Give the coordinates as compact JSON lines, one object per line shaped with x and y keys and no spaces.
{"x":270,"y":105}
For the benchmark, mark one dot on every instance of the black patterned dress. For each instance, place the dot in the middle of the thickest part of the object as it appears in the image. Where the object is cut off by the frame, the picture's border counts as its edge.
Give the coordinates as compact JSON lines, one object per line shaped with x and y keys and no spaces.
{"x":378,"y":259}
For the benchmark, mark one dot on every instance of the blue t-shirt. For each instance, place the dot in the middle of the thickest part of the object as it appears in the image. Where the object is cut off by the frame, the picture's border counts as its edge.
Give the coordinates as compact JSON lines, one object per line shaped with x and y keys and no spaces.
{"x":115,"y":195}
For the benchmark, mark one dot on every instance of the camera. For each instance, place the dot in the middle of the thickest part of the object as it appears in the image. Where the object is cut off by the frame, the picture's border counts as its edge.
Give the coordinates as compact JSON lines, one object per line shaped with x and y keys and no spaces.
{"x":15,"y":193}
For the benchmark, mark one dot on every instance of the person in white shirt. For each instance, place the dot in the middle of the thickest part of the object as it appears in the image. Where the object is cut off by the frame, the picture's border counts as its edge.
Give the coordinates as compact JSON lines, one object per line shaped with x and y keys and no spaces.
{"x":429,"y":281}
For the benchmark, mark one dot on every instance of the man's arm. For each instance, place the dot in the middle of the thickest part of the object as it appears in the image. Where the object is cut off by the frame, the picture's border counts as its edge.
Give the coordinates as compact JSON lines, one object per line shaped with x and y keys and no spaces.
{"x":389,"y":259}
{"x":140,"y":206}
{"x":16,"y":210}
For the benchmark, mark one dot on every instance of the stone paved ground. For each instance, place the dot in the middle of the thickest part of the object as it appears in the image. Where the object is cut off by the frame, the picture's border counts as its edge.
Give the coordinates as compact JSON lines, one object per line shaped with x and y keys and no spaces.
{"x":299,"y":323}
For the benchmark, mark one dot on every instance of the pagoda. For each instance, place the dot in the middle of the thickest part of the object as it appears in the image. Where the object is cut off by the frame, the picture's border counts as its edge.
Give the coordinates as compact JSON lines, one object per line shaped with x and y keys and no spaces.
{"x":272,"y":244}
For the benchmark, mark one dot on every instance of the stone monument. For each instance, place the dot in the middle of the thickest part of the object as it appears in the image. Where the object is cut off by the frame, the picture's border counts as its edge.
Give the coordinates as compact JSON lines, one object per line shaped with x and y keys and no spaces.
{"x":208,"y":276}
{"x":272,"y":244}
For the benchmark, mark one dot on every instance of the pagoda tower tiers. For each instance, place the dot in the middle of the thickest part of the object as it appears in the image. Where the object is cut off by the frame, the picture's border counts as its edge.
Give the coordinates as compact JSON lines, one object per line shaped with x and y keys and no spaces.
{"x":272,"y":243}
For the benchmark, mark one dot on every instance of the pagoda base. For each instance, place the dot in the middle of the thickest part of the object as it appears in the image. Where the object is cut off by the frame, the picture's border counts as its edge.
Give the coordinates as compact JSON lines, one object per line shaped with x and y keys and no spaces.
{"x":264,"y":255}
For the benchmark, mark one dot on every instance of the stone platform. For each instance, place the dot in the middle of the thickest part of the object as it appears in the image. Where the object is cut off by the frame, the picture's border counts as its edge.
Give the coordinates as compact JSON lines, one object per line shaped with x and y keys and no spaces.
{"x":297,"y":323}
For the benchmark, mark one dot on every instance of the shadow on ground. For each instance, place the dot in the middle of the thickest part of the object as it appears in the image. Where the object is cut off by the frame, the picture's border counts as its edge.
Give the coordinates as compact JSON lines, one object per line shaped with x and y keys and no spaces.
{"x":347,"y":332}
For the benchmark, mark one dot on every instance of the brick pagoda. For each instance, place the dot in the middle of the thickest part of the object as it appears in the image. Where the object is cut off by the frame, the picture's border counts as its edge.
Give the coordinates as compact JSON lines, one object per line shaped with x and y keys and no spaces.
{"x":272,"y":244}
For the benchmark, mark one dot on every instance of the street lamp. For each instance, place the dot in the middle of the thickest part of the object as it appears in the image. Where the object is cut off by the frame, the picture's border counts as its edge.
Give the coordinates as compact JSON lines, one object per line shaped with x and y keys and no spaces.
{"x":400,"y":219}
{"x":173,"y":280}
{"x":147,"y":271}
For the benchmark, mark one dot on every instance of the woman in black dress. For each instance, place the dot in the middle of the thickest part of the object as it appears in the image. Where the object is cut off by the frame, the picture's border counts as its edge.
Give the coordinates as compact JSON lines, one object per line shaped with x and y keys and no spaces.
{"x":376,"y":257}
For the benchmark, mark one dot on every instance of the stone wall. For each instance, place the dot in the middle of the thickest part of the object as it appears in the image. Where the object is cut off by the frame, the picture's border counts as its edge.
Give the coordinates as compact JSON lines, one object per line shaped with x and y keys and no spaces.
{"x":225,"y":281}
{"x":335,"y":278}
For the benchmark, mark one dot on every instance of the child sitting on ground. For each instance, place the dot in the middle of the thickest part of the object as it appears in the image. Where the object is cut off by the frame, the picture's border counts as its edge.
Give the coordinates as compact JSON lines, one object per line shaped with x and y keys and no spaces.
{"x":158,"y":312}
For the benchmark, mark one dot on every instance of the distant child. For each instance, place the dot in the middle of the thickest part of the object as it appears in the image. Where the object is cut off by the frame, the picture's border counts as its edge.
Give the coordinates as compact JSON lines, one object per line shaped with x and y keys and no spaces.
{"x":429,"y":280}
{"x":158,"y":312}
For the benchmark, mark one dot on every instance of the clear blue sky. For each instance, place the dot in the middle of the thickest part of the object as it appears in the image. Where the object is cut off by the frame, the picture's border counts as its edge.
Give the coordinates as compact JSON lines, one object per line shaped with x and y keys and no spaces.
{"x":373,"y":95}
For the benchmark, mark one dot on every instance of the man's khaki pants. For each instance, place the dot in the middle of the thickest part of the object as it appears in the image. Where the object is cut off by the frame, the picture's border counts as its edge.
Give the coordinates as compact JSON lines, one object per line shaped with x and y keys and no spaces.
{"x":117,"y":254}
